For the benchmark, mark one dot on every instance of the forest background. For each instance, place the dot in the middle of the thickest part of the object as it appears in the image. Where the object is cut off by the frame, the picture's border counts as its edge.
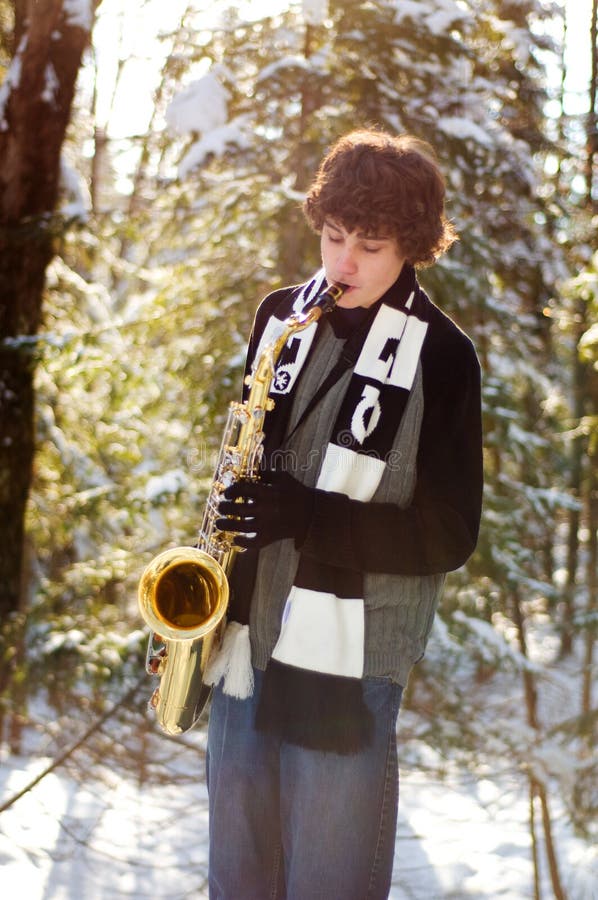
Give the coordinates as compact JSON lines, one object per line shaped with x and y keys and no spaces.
{"x":137,"y":235}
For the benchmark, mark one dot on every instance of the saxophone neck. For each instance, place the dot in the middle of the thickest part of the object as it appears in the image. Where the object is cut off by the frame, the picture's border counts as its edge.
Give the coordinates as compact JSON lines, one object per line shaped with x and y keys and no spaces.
{"x":329,"y":297}
{"x":264,"y":366}
{"x":324,"y":303}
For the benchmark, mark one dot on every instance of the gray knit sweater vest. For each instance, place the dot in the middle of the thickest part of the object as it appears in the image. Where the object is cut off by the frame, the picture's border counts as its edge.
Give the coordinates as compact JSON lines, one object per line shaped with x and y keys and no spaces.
{"x":399,"y":608}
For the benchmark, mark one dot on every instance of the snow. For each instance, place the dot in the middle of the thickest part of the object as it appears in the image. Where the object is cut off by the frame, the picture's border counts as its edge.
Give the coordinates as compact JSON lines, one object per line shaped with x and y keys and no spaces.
{"x":165,"y":484}
{"x":11,"y":80}
{"x":490,"y":643}
{"x":214,"y":143}
{"x":464,"y":841}
{"x":75,"y":197}
{"x":51,"y":86}
{"x":285,"y":62}
{"x":79,"y":13}
{"x":315,"y":12}
{"x":134,"y":850}
{"x":200,"y":107}
{"x":438,"y":17}
{"x":72,"y":638}
{"x":464,"y":129}
{"x":106,"y":835}
{"x":411,"y":9}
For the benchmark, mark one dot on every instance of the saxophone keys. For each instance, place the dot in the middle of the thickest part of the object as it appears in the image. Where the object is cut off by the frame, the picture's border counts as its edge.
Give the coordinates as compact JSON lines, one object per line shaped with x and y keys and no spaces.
{"x":152,"y":703}
{"x":156,"y":664}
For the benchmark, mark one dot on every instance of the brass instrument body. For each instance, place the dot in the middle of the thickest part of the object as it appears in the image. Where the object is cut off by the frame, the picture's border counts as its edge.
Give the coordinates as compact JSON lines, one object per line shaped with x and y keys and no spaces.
{"x":183,"y":592}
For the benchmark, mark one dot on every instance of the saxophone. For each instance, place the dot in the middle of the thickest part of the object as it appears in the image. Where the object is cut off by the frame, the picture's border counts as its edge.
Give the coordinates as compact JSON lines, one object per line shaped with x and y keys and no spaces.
{"x":183,"y":592}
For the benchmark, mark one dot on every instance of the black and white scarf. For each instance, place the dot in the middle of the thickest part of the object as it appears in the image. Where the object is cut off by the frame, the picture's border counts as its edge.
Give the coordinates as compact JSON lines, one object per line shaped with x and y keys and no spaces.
{"x":359,"y":448}
{"x":355,"y":457}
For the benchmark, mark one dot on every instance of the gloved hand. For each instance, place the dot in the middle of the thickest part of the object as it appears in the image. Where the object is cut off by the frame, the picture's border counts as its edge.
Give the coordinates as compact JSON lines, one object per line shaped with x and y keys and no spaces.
{"x":260,"y":512}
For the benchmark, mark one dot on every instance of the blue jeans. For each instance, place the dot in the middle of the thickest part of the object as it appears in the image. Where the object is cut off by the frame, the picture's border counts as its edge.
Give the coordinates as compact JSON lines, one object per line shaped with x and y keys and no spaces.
{"x":288,"y":822}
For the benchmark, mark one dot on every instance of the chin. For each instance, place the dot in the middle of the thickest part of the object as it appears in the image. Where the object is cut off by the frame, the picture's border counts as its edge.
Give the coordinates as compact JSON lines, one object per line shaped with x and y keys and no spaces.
{"x":349,"y":297}
{"x":348,"y":302}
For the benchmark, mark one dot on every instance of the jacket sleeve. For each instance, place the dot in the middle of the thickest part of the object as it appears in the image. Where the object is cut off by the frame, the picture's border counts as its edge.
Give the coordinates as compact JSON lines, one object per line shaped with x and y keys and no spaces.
{"x":438,"y":531}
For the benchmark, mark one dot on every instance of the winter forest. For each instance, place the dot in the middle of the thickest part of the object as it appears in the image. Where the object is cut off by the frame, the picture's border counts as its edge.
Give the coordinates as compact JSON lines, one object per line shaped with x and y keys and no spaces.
{"x":153,"y":159}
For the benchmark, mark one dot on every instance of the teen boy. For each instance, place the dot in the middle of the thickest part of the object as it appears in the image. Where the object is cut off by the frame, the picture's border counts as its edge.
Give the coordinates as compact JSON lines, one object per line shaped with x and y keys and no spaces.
{"x":377,"y":425}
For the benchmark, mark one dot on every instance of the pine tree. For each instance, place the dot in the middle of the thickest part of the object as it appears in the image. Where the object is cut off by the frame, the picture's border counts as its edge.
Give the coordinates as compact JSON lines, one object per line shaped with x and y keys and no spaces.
{"x":35,"y":104}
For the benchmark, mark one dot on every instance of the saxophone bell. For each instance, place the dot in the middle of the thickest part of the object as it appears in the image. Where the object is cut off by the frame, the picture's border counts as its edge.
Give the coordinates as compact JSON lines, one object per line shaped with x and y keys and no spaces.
{"x":183,"y":596}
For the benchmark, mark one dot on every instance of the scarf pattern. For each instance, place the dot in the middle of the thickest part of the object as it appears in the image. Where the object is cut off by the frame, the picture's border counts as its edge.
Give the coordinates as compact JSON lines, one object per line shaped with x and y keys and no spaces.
{"x":357,"y":452}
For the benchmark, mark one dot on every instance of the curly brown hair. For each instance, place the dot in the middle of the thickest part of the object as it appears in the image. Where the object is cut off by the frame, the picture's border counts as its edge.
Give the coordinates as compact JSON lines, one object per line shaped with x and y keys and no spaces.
{"x":385,"y":186}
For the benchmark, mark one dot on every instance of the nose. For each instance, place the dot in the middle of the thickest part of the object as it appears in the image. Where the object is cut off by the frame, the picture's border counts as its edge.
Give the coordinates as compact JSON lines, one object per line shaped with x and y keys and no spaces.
{"x":346,"y":262}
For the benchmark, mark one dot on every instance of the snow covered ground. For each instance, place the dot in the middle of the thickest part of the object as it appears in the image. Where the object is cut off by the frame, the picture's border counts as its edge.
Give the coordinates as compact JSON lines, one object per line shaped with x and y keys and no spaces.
{"x":97,"y":835}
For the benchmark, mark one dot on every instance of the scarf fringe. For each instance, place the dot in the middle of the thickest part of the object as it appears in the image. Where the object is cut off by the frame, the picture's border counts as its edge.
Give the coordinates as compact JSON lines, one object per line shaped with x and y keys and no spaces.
{"x":232,"y":662}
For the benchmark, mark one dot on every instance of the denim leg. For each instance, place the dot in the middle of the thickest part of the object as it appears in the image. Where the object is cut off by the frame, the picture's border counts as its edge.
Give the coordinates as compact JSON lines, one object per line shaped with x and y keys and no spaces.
{"x":339,"y":813}
{"x":242,"y":770}
{"x":335,"y":816}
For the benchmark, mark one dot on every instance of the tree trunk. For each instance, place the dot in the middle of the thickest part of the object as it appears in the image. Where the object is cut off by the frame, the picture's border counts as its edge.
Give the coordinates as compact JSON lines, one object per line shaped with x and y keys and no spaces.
{"x":592,"y":480}
{"x":49,"y":43}
{"x":592,"y":120}
{"x":534,"y":840}
{"x":537,"y":788}
{"x":576,"y":467}
{"x":592,"y":586}
{"x":292,"y":222}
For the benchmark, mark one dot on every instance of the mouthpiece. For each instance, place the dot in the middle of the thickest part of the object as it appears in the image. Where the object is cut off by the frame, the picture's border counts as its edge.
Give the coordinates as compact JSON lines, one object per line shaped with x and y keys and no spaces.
{"x":330,"y":296}
{"x":324,"y":303}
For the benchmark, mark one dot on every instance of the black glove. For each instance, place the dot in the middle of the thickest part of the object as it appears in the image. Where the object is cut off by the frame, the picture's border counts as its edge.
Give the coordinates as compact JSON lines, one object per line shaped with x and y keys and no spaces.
{"x":275,"y":507}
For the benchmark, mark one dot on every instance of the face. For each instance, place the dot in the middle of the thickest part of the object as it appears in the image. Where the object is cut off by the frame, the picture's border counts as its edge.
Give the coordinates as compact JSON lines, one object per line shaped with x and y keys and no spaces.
{"x":368,"y":264}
